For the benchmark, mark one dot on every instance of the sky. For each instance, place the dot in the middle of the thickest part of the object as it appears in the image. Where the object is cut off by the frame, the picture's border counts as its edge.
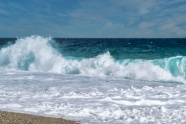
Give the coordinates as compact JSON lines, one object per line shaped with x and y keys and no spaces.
{"x":93,"y":18}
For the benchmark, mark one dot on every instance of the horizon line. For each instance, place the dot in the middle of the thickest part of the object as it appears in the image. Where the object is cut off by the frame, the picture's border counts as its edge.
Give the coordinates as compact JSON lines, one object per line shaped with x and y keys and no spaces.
{"x":96,"y":38}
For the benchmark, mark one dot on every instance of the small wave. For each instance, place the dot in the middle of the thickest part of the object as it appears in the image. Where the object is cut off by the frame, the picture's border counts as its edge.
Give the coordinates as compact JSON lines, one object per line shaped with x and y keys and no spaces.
{"x":35,"y":53}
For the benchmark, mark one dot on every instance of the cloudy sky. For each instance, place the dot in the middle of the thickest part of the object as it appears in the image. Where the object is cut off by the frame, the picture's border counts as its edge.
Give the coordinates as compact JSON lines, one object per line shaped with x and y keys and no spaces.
{"x":93,"y":18}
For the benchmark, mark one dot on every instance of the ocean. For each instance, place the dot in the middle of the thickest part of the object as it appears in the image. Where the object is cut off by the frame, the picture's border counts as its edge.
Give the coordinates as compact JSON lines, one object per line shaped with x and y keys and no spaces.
{"x":95,"y":80}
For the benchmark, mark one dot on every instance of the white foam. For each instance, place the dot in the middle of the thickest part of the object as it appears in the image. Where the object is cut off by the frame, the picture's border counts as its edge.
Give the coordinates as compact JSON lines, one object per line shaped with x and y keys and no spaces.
{"x":92,"y":100}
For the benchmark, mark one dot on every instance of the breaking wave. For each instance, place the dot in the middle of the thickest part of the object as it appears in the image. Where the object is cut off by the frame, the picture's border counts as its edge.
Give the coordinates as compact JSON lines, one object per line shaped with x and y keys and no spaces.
{"x":36,"y":53}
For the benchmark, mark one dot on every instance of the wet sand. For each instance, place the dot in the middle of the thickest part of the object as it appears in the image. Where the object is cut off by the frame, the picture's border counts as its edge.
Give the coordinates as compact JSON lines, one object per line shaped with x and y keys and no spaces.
{"x":18,"y":118}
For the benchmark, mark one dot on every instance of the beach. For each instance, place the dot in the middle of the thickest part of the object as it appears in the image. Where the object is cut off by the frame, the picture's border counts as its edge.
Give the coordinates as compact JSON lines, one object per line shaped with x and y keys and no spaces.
{"x":20,"y":118}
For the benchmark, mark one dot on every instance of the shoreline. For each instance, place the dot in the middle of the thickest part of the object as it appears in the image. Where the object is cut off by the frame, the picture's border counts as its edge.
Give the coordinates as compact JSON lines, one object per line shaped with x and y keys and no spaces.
{"x":22,"y":118}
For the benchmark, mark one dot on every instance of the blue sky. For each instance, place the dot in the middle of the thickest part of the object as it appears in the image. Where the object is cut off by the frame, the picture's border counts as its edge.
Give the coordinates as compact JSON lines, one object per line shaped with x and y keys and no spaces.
{"x":93,"y":18}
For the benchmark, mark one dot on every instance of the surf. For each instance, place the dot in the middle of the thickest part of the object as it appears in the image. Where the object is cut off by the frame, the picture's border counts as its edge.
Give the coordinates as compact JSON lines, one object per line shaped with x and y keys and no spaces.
{"x":37,"y":54}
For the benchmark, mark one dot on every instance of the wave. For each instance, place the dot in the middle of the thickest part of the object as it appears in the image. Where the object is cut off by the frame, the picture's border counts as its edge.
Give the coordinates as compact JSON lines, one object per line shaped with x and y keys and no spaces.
{"x":36,"y":53}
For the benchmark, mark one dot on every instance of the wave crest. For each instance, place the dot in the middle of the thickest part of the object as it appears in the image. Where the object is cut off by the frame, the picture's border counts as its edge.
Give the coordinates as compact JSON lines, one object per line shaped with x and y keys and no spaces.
{"x":36,"y":54}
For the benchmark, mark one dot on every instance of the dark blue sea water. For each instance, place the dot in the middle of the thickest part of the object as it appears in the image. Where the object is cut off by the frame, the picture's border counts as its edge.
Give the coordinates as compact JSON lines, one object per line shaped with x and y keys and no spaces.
{"x":121,"y":48}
